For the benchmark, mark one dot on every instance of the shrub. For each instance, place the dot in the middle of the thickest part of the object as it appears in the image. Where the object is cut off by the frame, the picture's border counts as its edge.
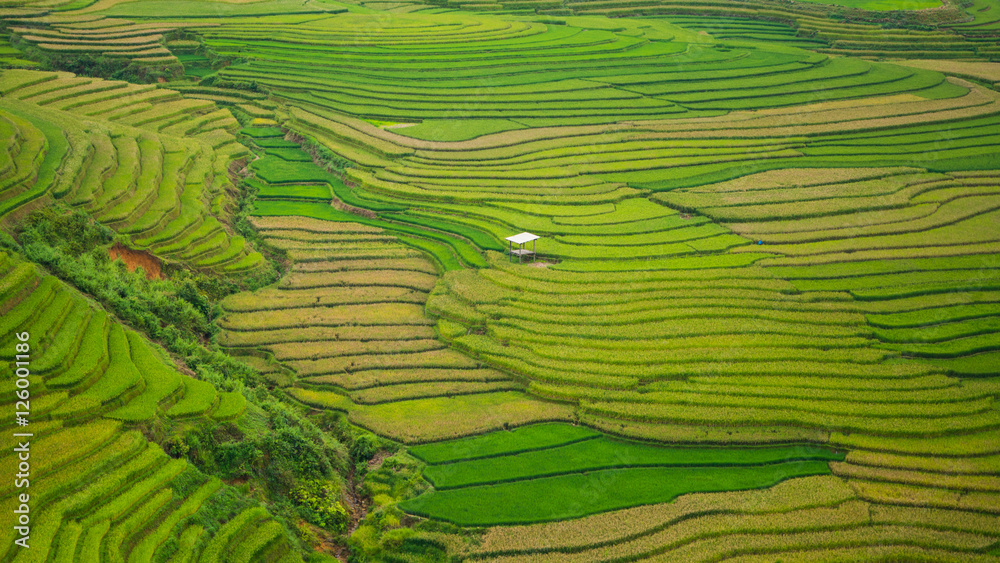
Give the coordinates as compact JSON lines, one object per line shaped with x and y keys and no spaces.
{"x":320,"y":502}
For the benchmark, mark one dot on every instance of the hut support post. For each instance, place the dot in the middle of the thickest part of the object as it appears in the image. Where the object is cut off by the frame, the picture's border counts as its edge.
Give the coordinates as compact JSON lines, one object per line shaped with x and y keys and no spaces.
{"x":521,"y":241}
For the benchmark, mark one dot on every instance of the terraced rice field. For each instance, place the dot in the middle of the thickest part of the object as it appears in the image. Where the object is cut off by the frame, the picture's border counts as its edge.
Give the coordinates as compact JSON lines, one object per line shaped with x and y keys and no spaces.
{"x":98,"y":489}
{"x":660,"y":316}
{"x":103,"y":29}
{"x":147,"y":162}
{"x":348,"y":320}
{"x":507,"y":479}
{"x":788,"y":305}
{"x":764,"y":322}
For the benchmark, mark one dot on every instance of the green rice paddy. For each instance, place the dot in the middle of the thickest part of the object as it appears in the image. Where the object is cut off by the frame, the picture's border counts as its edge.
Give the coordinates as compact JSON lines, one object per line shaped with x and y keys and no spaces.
{"x":532,"y":469}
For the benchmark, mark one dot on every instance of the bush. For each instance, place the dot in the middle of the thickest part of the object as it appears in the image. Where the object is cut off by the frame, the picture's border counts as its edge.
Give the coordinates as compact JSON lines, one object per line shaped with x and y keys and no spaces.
{"x":318,"y":500}
{"x":236,"y":459}
{"x":364,"y":448}
{"x":178,"y":312}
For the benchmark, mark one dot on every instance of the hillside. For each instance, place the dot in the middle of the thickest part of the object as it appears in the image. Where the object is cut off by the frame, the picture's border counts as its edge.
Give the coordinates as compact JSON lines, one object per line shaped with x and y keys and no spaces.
{"x":99,"y":490}
{"x":762,"y":325}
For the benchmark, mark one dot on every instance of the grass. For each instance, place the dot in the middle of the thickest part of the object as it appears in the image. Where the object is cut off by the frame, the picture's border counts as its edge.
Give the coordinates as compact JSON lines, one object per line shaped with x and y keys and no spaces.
{"x":977,"y":365}
{"x":92,"y":354}
{"x":24,"y":310}
{"x":873,"y":419}
{"x":442,"y":254}
{"x":480,"y":239}
{"x":641,"y":523}
{"x":353,"y":98}
{"x":186,"y":8}
{"x":274,"y":169}
{"x":558,"y":498}
{"x":147,"y":546}
{"x":262,"y":132}
{"x":321,"y":192}
{"x":68,"y":445}
{"x":372,"y":378}
{"x":942,"y":332}
{"x":55,"y":148}
{"x":651,"y":158}
{"x":424,"y":420}
{"x":314,"y":351}
{"x":468,"y":254}
{"x":160,"y":378}
{"x":423,"y":390}
{"x":121,"y":376}
{"x":199,"y":397}
{"x":215,"y":549}
{"x":603,"y":453}
{"x":146,"y":175}
{"x":457,"y":130}
{"x":105,"y":491}
{"x":64,"y":343}
{"x":884,"y":5}
{"x":231,"y":405}
{"x":518,"y":440}
{"x":291,"y":155}
{"x":257,"y":540}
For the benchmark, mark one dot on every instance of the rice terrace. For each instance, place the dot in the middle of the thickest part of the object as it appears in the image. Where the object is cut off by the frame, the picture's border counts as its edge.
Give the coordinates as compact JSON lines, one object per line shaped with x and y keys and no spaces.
{"x":499,"y":280}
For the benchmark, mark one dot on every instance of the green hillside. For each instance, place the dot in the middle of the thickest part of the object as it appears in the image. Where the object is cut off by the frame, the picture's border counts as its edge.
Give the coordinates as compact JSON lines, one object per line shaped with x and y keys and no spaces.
{"x":99,"y":489}
{"x":763,"y":323}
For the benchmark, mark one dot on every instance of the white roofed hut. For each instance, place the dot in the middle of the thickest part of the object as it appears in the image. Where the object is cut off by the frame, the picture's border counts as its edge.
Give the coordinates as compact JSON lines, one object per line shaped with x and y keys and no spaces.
{"x":521,"y":252}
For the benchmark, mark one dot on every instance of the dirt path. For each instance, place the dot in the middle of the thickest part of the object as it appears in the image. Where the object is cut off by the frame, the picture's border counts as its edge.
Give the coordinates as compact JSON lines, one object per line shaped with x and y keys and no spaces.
{"x":136,"y":258}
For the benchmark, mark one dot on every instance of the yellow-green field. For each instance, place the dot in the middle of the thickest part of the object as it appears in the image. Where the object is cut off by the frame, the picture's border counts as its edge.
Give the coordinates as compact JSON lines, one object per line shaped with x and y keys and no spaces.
{"x":764,"y":321}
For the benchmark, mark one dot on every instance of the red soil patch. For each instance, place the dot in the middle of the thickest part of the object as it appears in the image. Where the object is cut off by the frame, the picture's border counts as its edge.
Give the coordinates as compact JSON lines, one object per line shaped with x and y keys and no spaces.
{"x":135,"y":258}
